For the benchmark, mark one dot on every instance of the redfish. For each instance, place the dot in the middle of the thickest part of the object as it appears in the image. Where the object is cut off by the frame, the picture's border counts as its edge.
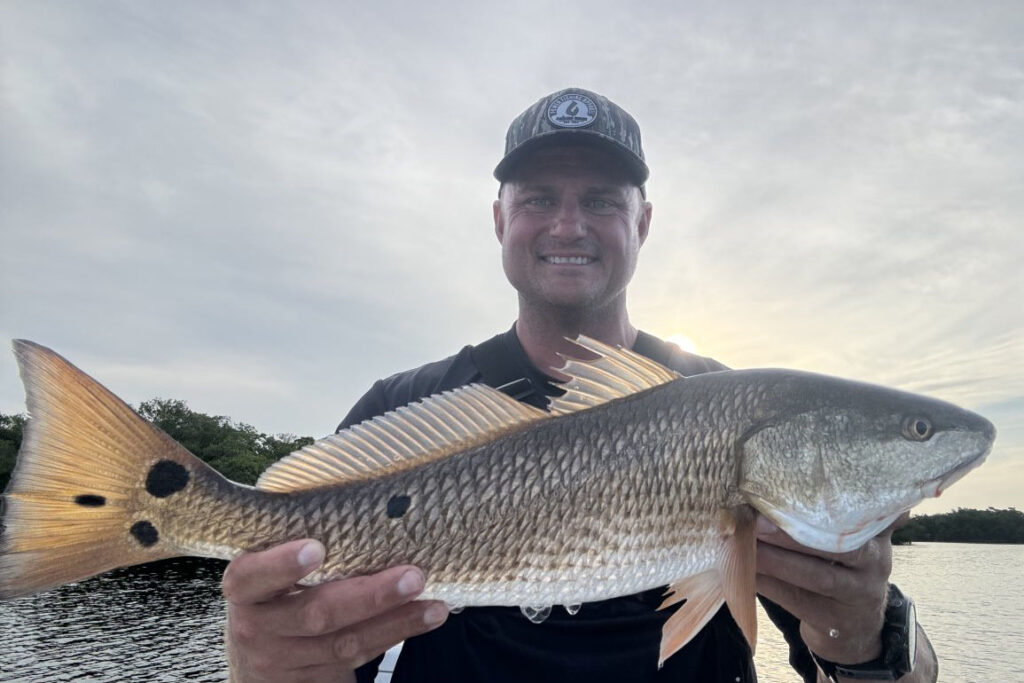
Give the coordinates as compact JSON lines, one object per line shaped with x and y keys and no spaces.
{"x":635,"y":478}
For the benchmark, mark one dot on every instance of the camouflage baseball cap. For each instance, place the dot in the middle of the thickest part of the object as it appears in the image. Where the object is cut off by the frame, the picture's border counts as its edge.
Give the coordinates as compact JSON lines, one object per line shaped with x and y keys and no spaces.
{"x":575,"y":116}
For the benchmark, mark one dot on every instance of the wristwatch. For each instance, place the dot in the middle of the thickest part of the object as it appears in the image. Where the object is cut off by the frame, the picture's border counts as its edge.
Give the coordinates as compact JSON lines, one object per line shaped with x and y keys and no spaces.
{"x":899,"y":646}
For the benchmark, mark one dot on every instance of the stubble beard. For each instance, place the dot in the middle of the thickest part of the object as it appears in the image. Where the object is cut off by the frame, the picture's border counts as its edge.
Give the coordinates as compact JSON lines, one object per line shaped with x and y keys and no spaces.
{"x":578,"y":313}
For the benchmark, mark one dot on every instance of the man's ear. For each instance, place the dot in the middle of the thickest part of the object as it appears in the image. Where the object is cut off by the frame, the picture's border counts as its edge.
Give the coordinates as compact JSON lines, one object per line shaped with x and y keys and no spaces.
{"x":644,"y":225}
{"x":499,"y":221}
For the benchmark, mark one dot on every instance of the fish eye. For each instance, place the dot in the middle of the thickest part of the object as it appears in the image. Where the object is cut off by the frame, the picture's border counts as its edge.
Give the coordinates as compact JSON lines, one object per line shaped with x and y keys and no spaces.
{"x":917,"y":428}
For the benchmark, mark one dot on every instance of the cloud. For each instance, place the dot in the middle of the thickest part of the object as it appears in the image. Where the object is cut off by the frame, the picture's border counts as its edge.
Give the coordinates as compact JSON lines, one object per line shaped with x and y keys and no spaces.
{"x":262,"y":210}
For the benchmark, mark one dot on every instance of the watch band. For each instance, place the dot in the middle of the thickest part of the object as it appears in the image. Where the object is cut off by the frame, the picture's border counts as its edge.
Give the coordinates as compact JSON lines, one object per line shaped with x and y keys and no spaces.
{"x":875,"y":670}
{"x":899,"y":646}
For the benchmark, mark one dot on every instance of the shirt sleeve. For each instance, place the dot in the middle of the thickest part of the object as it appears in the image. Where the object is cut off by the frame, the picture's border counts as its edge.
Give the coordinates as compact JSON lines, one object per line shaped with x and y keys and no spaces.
{"x":374,"y":402}
{"x":367,"y":673}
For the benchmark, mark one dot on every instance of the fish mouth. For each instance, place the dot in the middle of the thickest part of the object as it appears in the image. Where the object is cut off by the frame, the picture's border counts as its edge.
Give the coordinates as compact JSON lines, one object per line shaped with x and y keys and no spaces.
{"x":933,"y":488}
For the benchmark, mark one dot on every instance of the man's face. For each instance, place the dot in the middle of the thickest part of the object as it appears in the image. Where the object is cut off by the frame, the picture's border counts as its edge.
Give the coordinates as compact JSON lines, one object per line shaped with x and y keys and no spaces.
{"x":570,"y":226}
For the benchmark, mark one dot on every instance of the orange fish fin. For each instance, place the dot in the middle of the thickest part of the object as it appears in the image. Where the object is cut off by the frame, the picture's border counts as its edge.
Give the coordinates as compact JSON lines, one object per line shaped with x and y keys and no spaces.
{"x":739,"y":569}
{"x":703,"y":595}
{"x":412,"y":435}
{"x":91,"y":484}
{"x":616,"y":373}
{"x":731,"y":583}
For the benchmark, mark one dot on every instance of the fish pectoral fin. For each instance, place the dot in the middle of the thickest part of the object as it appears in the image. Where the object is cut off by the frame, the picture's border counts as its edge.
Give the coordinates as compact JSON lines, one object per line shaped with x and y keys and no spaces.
{"x":739,"y":576}
{"x":703,"y":595}
{"x":731,"y":583}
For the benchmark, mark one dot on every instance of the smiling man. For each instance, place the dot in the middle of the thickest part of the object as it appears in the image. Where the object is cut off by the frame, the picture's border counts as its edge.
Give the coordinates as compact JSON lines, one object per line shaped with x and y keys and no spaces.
{"x":570,"y":225}
{"x":571,"y":217}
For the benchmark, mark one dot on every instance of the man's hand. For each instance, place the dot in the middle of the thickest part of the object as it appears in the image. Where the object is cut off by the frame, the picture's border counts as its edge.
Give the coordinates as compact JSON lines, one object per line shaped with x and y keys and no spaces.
{"x":839,"y":598}
{"x":278,"y":631}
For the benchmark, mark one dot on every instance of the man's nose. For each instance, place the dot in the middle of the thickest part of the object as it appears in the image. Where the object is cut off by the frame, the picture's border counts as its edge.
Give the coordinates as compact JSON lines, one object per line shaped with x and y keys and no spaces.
{"x":569,"y":221}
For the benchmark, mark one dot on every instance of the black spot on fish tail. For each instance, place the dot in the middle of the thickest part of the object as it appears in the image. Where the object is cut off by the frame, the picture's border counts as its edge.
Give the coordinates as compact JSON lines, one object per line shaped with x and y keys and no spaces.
{"x":398,"y":506}
{"x":90,"y":500}
{"x":145,"y":533}
{"x":166,"y":477}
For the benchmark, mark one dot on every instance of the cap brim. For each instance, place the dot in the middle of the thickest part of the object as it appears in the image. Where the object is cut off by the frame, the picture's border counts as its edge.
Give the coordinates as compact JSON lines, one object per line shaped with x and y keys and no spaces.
{"x":634,"y":166}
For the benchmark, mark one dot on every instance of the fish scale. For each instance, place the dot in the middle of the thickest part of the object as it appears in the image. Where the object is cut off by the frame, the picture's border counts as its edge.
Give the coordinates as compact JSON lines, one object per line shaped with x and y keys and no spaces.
{"x":636,"y":478}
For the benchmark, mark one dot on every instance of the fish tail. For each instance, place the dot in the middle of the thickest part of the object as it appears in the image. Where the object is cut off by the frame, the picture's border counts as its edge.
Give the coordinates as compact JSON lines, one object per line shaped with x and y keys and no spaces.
{"x":93,"y":483}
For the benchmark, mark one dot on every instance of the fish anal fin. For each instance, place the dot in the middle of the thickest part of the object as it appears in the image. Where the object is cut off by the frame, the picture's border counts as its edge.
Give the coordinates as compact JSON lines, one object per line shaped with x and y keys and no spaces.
{"x":616,"y":373}
{"x":412,"y":435}
{"x":703,"y":595}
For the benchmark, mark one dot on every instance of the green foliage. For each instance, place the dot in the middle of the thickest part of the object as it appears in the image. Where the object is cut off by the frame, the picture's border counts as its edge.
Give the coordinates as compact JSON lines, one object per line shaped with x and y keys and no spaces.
{"x":11,"y":427}
{"x":237,"y":450}
{"x":965,"y":526}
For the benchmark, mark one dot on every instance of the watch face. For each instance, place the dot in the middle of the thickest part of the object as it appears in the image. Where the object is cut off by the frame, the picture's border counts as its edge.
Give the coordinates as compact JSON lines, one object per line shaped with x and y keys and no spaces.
{"x":911,"y":635}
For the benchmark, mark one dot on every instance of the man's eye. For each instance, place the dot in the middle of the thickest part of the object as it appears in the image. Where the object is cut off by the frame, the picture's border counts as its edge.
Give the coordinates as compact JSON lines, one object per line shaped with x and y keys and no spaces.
{"x":539,"y":201}
{"x":599,"y":205}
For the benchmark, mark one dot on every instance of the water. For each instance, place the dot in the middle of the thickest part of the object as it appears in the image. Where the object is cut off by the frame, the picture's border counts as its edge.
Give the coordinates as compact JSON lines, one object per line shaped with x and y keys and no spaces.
{"x":975,"y":602}
{"x":161,"y":622}
{"x":164,"y":623}
{"x":969,"y":600}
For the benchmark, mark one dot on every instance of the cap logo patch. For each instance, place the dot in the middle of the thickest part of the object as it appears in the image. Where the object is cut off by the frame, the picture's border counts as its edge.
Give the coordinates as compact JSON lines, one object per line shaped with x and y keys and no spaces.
{"x":572,"y":110}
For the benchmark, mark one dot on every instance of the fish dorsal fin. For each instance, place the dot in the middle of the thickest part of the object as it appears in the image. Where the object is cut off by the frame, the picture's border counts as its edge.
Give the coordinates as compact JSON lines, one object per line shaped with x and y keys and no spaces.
{"x":616,"y":373}
{"x":422,"y":432}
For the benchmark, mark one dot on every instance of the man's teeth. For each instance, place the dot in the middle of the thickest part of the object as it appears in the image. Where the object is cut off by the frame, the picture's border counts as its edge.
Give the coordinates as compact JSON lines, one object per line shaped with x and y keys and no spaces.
{"x":568,"y":260}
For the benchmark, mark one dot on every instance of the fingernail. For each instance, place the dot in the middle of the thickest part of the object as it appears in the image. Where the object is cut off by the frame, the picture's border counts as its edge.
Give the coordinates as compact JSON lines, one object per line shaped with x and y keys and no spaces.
{"x":435,"y":614}
{"x":410,"y":583}
{"x":311,"y":555}
{"x":765,"y":525}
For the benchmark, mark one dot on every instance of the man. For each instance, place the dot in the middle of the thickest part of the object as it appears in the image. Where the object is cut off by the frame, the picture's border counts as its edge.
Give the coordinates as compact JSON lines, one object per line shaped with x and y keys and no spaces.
{"x":571,"y":216}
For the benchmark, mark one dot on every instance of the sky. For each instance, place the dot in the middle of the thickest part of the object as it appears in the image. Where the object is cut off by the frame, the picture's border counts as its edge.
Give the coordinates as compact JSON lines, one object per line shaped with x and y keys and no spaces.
{"x":261,"y":208}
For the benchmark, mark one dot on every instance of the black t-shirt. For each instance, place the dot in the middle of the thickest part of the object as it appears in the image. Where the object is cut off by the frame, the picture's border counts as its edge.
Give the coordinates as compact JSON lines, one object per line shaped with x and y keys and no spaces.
{"x":613,"y":640}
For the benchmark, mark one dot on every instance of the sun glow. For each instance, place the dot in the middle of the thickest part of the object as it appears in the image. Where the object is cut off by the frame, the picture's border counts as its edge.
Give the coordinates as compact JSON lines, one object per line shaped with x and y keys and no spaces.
{"x":683,"y":342}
